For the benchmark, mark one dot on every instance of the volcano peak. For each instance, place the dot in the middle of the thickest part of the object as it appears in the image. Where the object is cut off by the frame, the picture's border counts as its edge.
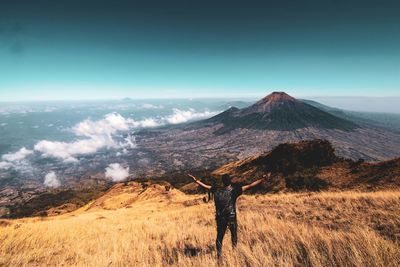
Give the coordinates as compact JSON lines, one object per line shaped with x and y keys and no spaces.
{"x":277,"y":97}
{"x":279,"y":111}
{"x":275,"y":100}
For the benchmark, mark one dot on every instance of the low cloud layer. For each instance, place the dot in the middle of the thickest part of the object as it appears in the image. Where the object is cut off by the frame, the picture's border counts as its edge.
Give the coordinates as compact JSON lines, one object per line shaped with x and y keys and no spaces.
{"x":104,"y":133}
{"x":5,"y":165}
{"x":111,"y":123}
{"x":99,"y":134}
{"x":11,"y":158}
{"x":181,"y":116}
{"x":145,"y":123}
{"x":19,"y":155}
{"x":151,"y":106}
{"x":116,"y":172}
{"x":178,"y":116}
{"x":51,"y":180}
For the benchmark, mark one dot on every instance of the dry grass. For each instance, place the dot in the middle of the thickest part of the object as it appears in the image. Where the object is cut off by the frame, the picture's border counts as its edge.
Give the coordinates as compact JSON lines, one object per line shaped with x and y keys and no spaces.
{"x":128,"y":228}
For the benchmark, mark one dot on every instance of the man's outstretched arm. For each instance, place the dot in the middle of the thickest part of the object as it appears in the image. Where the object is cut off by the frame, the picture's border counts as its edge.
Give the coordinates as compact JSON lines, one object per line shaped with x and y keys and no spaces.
{"x":259,"y":181}
{"x":197,"y":181}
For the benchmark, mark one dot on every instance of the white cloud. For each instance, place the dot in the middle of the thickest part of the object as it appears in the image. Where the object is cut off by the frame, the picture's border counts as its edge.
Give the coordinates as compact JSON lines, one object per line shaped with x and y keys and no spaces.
{"x":50,"y":109}
{"x":145,"y":123}
{"x":151,"y":106}
{"x":99,"y":135}
{"x":67,"y":151}
{"x":111,"y":123}
{"x":102,"y":134}
{"x":19,"y":155}
{"x":5,"y":165}
{"x":21,"y":109}
{"x":181,"y":116}
{"x":16,"y":160}
{"x":116,"y":172}
{"x":51,"y":180}
{"x":178,"y":116}
{"x":129,"y":142}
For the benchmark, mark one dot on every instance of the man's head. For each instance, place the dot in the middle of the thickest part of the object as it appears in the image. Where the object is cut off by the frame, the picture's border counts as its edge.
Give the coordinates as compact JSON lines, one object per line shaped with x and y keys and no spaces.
{"x":226,"y":179}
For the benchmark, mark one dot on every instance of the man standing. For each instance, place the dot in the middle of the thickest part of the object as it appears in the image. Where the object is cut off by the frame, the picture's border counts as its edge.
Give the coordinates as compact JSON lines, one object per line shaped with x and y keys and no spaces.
{"x":225,"y":206}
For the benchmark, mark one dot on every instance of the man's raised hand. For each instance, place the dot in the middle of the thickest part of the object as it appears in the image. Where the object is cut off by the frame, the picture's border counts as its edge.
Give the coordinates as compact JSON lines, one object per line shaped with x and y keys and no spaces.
{"x":197,"y":181}
{"x":193,"y":178}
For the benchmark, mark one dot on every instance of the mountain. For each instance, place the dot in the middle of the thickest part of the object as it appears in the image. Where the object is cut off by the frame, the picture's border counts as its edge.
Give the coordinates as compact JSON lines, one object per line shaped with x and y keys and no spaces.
{"x":390,"y":121}
{"x":167,"y":153}
{"x":313,"y":165}
{"x":238,"y":133}
{"x":279,"y":111}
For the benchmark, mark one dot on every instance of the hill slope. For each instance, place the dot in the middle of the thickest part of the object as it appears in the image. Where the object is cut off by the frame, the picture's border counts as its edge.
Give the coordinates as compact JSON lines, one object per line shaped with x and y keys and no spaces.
{"x":171,"y":229}
{"x":313,"y":165}
{"x":154,"y":224}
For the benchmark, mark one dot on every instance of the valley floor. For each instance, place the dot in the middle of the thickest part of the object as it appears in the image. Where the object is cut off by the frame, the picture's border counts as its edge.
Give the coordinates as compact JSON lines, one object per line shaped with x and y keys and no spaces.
{"x":130,"y":226}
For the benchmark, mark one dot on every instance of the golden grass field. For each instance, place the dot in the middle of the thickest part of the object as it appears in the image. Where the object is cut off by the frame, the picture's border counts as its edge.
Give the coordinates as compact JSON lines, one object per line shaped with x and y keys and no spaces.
{"x":131,"y":226}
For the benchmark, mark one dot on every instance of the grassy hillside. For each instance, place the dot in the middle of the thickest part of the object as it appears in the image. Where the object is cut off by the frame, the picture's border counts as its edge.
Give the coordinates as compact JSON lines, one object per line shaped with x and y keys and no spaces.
{"x":155,"y":225}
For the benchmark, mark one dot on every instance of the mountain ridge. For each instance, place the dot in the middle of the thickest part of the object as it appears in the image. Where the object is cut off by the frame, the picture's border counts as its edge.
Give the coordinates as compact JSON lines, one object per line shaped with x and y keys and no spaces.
{"x":238,"y":133}
{"x":279,"y":111}
{"x":313,"y":166}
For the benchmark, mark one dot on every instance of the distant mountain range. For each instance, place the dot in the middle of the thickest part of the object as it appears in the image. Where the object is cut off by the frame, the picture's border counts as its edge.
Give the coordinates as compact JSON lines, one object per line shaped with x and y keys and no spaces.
{"x":243,"y":138}
{"x":238,"y":133}
{"x":279,"y":111}
{"x":372,"y":119}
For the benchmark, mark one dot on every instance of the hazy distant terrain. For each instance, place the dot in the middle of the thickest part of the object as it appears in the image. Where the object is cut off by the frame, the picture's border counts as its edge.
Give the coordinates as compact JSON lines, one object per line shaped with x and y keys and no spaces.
{"x":305,"y":166}
{"x":378,"y":119}
{"x":374,"y":104}
{"x":50,"y":145}
{"x":239,"y":133}
{"x":67,"y":145}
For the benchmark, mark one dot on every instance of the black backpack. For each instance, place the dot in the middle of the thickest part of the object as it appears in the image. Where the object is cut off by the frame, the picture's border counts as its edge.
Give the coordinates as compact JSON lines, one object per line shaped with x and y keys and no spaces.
{"x":225,"y":200}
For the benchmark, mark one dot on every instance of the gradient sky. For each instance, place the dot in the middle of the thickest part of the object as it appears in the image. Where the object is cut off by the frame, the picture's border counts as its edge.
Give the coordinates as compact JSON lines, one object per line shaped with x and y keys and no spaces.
{"x":155,"y":49}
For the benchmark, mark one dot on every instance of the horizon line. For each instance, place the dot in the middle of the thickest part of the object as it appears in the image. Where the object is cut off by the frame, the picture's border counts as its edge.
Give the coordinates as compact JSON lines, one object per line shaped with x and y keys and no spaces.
{"x":128,"y":98}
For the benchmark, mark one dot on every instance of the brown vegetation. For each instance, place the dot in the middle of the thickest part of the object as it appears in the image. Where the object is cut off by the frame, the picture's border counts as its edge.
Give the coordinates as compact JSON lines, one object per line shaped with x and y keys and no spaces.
{"x":138,"y":225}
{"x":313,"y":166}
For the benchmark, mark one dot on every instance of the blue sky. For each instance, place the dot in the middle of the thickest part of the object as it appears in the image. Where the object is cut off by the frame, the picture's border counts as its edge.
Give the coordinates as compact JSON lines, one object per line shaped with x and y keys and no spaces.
{"x":101,"y":50}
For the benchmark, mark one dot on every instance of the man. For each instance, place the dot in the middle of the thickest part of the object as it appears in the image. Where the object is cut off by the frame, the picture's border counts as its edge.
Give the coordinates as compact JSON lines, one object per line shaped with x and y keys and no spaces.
{"x":225,"y":206}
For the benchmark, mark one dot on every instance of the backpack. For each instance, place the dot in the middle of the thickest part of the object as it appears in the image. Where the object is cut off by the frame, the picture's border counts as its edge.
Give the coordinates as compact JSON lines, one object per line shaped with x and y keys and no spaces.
{"x":224,"y":200}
